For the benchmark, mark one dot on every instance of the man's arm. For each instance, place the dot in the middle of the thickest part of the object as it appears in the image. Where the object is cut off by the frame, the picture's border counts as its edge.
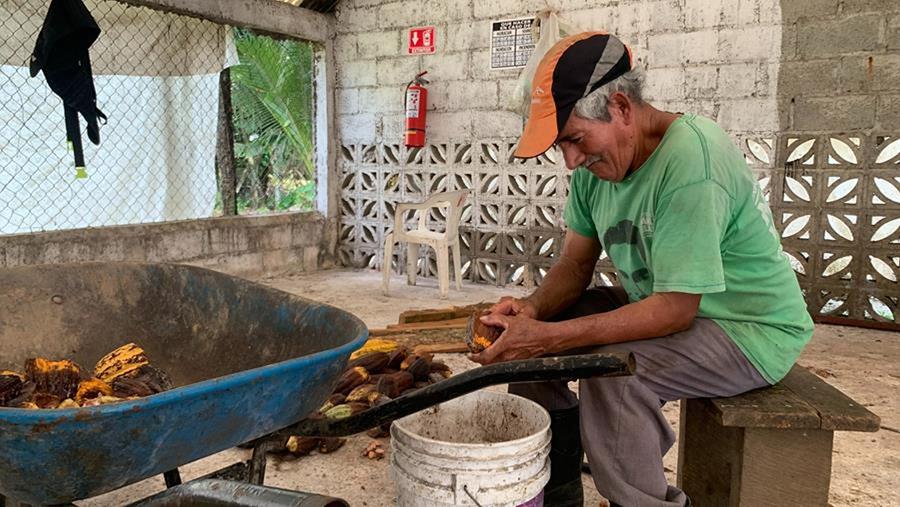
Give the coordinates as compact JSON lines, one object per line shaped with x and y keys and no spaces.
{"x":660,"y":314}
{"x":562,"y":285}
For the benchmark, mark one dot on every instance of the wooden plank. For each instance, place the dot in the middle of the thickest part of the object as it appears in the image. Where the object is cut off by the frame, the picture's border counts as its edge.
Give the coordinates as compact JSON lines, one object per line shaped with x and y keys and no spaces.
{"x":837,"y":411}
{"x":441,"y":348}
{"x":261,"y":15}
{"x":420,"y":337}
{"x":709,"y":456}
{"x":436,"y":314}
{"x":442,"y":324}
{"x":785,"y":467}
{"x":770,"y":407}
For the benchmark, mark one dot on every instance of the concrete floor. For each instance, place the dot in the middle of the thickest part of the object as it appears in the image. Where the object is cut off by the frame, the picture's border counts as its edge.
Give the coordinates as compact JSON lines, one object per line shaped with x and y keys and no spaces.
{"x":864,"y":364}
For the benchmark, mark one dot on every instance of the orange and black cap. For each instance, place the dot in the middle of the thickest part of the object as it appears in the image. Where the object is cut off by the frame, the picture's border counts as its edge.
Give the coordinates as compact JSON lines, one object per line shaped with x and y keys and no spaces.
{"x":573,"y":68}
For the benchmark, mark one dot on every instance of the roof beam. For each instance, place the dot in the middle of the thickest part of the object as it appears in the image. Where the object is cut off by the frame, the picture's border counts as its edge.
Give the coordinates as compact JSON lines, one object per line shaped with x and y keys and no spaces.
{"x":263,"y":15}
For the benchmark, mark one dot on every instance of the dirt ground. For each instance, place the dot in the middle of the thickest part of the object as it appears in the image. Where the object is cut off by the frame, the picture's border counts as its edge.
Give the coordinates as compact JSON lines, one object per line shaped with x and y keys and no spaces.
{"x":864,"y":364}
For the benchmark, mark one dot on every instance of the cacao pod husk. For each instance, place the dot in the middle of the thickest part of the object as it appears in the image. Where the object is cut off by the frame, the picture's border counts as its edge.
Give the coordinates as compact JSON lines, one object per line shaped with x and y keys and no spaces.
{"x":351,"y":378}
{"x":373,"y":362}
{"x":56,"y":378}
{"x":479,"y":335}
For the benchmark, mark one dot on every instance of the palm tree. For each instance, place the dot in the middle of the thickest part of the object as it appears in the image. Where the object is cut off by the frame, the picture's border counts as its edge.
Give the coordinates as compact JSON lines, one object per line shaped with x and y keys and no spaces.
{"x":272,"y":101}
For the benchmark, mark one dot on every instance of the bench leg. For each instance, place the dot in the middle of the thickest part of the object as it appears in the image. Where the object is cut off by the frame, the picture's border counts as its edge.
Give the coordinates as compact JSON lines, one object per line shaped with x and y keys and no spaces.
{"x":744,"y":467}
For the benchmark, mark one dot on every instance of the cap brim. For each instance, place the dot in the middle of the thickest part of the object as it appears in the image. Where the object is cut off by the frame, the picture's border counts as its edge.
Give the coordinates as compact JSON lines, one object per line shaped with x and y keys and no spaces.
{"x":539,"y":135}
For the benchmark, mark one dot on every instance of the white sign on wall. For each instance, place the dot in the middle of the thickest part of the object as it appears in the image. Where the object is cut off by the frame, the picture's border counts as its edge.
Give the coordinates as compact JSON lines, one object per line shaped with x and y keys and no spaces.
{"x":511,"y":43}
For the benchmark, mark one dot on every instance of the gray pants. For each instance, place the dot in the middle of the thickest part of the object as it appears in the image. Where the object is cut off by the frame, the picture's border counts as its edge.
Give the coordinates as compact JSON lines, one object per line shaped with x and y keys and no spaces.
{"x":623,"y":431}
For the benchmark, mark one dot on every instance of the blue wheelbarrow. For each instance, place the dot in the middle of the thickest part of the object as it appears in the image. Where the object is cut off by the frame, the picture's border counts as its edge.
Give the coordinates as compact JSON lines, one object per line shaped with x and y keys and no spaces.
{"x":249,"y":362}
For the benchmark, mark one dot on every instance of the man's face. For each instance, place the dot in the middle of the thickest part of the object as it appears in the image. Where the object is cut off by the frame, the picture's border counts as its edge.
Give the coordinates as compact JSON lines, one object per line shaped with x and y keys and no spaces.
{"x":606,"y":149}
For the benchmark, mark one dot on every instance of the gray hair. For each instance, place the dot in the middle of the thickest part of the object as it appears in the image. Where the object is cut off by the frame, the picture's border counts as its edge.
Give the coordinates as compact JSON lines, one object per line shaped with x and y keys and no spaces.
{"x":595,"y":106}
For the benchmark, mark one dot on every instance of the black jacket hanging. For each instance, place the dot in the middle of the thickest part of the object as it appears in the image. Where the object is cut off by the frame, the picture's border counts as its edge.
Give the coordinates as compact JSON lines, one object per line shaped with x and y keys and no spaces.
{"x":61,"y":52}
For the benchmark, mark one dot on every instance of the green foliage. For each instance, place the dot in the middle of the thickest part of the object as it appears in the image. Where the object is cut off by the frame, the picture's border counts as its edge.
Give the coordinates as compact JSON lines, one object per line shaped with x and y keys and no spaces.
{"x":272,"y":108}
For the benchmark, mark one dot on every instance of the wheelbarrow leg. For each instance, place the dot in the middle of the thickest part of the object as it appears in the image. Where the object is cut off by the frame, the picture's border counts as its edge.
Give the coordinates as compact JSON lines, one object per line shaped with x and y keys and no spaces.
{"x":257,"y":473}
{"x":172,"y":477}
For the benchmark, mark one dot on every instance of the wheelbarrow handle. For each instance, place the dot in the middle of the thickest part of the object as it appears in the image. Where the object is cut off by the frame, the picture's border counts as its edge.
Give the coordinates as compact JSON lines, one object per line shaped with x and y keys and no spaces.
{"x":527,"y":370}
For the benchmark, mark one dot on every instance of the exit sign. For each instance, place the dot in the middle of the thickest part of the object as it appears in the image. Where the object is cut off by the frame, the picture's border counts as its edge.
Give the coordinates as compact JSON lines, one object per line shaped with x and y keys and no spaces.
{"x":421,"y":40}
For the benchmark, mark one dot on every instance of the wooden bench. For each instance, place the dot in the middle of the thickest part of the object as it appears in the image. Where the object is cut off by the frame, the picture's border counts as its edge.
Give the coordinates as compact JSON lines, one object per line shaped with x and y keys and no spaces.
{"x":768,"y":447}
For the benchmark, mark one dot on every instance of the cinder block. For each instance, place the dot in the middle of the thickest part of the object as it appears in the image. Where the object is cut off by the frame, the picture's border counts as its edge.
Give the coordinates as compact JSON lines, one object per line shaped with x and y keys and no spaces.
{"x":496,"y":9}
{"x":345,"y":48}
{"x":750,"y":43}
{"x":347,"y":101}
{"x":666,"y":15}
{"x":633,"y":18}
{"x":854,"y":73}
{"x":834,"y":113}
{"x":311,"y":258}
{"x":665,"y":50}
{"x":397,"y":71}
{"x":439,"y":95}
{"x":664,"y":84}
{"x":892,"y":35}
{"x":473,"y":95}
{"x":406,"y":15}
{"x":792,"y":11}
{"x":749,"y":115}
{"x":748,"y":11}
{"x":450,"y":66}
{"x":770,"y":12}
{"x":496,"y":124}
{"x":356,"y":73}
{"x":379,"y":44}
{"x":388,"y":99}
{"x":888,"y":111}
{"x":704,"y":14}
{"x":393,"y":127}
{"x":468,"y":36}
{"x":358,"y":128}
{"x":597,"y":18}
{"x":700,"y":47}
{"x":807,"y":78}
{"x":767,"y":79}
{"x":837,"y":37}
{"x":459,"y":9}
{"x":885,"y":71}
{"x":700,"y":82}
{"x":881,"y":6}
{"x":443,"y":127}
{"x":349,"y":20}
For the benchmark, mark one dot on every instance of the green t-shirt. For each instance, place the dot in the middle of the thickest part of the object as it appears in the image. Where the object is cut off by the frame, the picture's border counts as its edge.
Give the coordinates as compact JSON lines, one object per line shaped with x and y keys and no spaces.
{"x":693,"y":219}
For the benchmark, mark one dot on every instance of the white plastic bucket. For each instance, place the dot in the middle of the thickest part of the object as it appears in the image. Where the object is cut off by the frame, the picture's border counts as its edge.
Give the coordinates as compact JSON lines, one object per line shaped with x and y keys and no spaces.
{"x":488,"y":446}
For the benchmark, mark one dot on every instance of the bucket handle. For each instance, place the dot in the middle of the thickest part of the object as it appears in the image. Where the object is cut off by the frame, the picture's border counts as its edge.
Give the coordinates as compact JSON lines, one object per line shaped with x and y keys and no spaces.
{"x":466,"y":489}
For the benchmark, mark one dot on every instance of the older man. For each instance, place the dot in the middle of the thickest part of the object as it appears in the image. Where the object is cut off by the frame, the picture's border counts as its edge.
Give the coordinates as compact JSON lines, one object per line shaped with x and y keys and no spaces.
{"x":709,"y":306}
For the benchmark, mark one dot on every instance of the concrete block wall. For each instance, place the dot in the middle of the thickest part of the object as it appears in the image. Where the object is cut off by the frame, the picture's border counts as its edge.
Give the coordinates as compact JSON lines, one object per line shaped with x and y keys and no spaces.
{"x":243,"y":246}
{"x":718,"y":58}
{"x":840,"y":67}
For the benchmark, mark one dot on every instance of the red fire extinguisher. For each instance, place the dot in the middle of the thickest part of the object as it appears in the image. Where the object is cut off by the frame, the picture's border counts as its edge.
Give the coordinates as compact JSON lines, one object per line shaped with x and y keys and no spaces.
{"x":416,"y":102}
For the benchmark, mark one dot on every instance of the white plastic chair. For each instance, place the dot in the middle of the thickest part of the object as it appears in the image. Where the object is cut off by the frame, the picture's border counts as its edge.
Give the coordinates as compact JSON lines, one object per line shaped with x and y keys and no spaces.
{"x":440,"y":241}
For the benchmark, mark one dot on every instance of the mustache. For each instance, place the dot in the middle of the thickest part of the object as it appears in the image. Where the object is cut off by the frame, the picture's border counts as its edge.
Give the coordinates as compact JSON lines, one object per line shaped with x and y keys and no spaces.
{"x":592,"y":160}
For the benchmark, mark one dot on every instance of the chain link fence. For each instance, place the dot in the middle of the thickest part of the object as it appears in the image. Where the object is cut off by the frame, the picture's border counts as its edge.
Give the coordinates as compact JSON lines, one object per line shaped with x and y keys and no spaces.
{"x":157,"y":77}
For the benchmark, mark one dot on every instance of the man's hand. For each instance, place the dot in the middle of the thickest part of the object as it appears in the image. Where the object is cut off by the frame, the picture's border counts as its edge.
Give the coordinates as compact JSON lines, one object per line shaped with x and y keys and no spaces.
{"x":523,"y":337}
{"x":512,"y":306}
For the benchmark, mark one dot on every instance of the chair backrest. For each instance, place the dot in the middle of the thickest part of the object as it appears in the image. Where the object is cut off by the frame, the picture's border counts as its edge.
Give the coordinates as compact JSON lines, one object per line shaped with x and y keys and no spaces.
{"x":457,"y":200}
{"x":453,"y":201}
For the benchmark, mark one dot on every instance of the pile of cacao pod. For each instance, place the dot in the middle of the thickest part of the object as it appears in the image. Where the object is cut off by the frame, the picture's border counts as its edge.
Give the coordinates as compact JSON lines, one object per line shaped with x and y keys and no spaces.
{"x":123,"y":374}
{"x":377,"y":373}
